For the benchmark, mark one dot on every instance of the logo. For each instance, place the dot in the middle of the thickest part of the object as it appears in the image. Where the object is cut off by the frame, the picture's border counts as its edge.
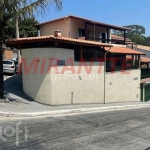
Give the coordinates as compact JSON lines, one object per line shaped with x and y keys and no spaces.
{"x":10,"y":131}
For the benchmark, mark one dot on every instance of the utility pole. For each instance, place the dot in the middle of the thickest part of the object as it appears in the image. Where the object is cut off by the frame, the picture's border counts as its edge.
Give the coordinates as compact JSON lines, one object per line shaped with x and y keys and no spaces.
{"x":1,"y":72}
{"x":17,"y":35}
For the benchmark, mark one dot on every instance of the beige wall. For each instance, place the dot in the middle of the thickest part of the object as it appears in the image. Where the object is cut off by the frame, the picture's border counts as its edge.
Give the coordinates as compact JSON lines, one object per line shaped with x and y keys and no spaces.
{"x":75,"y":24}
{"x":61,"y":89}
{"x":77,"y":88}
{"x":70,"y":28}
{"x":123,"y":86}
{"x":98,"y":30}
{"x":48,"y":29}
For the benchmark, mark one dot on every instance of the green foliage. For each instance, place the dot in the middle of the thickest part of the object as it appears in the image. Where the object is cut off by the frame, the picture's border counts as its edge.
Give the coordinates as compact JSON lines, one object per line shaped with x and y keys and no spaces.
{"x":147,"y":41}
{"x":25,"y":8}
{"x":27,"y":28}
{"x":136,"y":34}
{"x":136,"y":30}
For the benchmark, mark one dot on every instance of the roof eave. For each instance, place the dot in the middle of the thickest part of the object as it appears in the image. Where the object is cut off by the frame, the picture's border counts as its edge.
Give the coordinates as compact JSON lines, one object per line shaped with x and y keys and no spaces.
{"x":127,"y":53}
{"x":17,"y":42}
{"x":88,"y":20}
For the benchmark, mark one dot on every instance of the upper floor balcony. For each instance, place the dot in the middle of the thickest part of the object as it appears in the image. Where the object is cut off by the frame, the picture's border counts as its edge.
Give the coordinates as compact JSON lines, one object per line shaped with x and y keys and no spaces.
{"x":81,"y":28}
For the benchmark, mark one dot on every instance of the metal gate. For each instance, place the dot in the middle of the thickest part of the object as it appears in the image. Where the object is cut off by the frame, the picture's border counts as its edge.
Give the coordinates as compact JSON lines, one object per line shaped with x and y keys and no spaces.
{"x":145,"y":92}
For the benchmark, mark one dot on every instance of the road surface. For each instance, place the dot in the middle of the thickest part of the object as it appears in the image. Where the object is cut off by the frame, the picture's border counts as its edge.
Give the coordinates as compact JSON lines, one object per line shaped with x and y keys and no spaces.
{"x":112,"y":130}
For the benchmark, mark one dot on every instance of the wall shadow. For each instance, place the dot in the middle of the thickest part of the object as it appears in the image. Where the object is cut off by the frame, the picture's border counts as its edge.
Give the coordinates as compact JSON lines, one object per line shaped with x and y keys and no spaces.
{"x":13,"y":85}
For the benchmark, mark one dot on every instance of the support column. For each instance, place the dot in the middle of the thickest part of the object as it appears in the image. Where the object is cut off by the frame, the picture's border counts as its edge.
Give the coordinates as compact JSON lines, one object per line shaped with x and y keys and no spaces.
{"x":95,"y":55}
{"x":133,"y":62}
{"x":147,"y":70}
{"x":139,"y":61}
{"x":81,"y":53}
{"x":109,"y":31}
{"x":124,"y":37}
{"x":107,"y":35}
{"x":94,"y":32}
{"x":136,"y":60}
{"x":132,"y":46}
{"x":85,"y":31}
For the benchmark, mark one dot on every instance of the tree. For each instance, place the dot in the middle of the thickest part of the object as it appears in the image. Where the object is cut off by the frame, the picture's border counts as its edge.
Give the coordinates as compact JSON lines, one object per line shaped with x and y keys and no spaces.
{"x":138,"y":39}
{"x":147,"y":41}
{"x":136,"y":34}
{"x":136,"y":30}
{"x":118,"y":32}
{"x":27,"y":28}
{"x":12,"y":8}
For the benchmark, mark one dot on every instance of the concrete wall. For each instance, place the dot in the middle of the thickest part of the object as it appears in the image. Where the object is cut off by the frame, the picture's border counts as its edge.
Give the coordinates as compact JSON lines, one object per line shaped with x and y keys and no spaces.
{"x":48,"y":29}
{"x":74,"y":88}
{"x":61,"y":89}
{"x":123,"y":87}
{"x":79,"y":88}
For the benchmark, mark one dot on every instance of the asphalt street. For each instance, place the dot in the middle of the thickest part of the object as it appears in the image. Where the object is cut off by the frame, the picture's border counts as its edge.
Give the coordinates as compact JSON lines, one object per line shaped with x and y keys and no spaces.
{"x":112,"y":130}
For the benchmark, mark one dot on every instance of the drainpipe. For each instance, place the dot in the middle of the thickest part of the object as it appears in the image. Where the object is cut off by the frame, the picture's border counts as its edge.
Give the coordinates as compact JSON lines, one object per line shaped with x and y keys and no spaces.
{"x":105,"y":73}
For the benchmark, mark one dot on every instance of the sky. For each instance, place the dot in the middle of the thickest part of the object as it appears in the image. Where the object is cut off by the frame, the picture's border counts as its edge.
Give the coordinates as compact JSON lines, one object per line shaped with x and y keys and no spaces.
{"x":116,"y":12}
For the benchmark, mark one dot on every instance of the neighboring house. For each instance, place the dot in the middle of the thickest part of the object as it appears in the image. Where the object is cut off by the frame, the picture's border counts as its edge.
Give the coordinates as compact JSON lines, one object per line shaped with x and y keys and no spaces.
{"x":81,"y":28}
{"x":9,"y":53}
{"x":120,"y":39}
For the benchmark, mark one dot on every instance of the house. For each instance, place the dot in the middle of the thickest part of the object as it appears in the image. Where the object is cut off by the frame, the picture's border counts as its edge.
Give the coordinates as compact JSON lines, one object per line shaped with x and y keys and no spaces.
{"x":79,"y":61}
{"x":9,"y":53}
{"x":120,"y":39}
{"x":81,"y":28}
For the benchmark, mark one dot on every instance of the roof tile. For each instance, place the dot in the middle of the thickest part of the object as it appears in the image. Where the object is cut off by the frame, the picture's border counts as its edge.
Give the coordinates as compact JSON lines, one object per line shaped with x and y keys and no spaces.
{"x":51,"y":37}
{"x":124,"y":50}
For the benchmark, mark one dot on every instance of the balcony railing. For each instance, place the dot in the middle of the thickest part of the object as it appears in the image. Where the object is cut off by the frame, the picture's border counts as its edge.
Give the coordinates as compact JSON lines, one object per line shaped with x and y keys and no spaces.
{"x":116,"y":41}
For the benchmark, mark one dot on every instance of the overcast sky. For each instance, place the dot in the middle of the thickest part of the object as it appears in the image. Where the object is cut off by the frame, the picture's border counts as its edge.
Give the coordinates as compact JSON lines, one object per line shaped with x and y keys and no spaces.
{"x":116,"y":12}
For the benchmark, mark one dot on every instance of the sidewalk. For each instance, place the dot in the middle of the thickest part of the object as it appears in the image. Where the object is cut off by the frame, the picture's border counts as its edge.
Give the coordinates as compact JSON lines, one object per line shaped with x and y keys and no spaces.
{"x":22,"y":106}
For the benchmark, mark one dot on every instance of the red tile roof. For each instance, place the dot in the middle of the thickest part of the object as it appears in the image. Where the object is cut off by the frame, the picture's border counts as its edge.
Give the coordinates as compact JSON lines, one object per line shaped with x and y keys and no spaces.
{"x":124,"y":50}
{"x":87,"y":20}
{"x":58,"y":39}
{"x":120,"y":50}
{"x":145,"y":59}
{"x":119,"y":38}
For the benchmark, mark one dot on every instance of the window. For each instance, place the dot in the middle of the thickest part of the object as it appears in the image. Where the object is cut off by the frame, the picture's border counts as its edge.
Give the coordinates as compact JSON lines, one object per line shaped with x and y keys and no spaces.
{"x":7,"y":62}
{"x":81,"y":32}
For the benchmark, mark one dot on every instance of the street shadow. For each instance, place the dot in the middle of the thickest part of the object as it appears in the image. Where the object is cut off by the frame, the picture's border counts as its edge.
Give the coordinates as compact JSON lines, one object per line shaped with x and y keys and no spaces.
{"x":13,"y":86}
{"x":148,"y":148}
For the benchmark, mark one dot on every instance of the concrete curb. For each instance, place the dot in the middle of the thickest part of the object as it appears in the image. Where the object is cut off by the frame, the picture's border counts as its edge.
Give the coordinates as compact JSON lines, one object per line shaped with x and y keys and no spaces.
{"x":71,"y":111}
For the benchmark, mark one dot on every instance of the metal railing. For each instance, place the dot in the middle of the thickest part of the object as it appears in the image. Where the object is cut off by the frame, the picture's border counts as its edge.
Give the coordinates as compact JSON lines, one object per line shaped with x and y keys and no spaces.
{"x":118,"y":41}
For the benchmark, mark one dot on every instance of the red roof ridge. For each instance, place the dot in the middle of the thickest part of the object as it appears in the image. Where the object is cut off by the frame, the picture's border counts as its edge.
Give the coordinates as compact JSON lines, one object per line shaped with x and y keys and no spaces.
{"x":47,"y":37}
